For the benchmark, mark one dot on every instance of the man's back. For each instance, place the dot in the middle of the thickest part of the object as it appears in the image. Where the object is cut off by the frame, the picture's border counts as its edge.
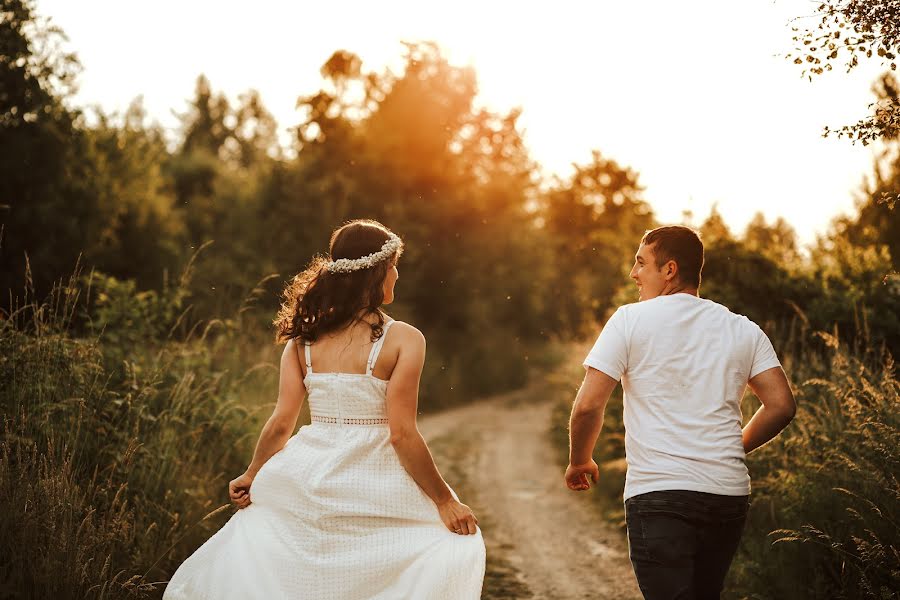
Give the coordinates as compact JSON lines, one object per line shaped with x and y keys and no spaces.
{"x":684,"y":363}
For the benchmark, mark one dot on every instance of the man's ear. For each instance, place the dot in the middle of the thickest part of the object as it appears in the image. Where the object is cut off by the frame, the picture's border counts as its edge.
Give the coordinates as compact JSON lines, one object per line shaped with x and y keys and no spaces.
{"x":671,"y":270}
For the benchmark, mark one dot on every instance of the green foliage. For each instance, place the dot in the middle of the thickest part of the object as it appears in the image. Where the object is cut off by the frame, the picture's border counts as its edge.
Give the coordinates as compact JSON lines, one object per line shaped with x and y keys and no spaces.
{"x":777,"y":242}
{"x":846,"y":282}
{"x":849,"y":29}
{"x":39,"y":145}
{"x":752,"y":284}
{"x":858,"y":295}
{"x":205,"y":128}
{"x":111,"y":473}
{"x":129,"y":320}
{"x":846,"y":30}
{"x":827,"y":490}
{"x":884,"y":120}
{"x":134,"y":230}
{"x":878,"y":221}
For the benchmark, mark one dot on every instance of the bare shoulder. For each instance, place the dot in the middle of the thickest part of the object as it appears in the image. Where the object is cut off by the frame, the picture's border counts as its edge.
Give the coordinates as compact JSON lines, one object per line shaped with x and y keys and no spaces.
{"x":404,"y":334}
{"x":292,"y":352}
{"x":290,"y":349}
{"x":405,"y":344}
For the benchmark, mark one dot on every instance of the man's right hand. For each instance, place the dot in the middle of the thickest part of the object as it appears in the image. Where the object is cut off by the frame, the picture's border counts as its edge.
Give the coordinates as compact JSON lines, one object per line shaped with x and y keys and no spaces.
{"x":577,"y":476}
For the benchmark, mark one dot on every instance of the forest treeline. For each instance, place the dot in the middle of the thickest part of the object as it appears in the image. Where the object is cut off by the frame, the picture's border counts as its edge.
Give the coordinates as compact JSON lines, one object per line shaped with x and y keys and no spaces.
{"x":493,"y":245}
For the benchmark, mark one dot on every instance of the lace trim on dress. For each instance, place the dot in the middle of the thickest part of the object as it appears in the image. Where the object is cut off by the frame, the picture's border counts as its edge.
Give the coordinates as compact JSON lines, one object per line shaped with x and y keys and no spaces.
{"x":349,"y":420}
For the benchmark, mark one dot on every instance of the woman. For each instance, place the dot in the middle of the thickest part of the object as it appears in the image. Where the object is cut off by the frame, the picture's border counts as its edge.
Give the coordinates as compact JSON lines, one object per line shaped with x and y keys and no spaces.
{"x":352,"y":506}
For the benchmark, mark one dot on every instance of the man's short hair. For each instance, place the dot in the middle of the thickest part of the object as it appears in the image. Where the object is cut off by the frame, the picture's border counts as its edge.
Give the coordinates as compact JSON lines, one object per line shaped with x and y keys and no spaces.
{"x":681,"y":244}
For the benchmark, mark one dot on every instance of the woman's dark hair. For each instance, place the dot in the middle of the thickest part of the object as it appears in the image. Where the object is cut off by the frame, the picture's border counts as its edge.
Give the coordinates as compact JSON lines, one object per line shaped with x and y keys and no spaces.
{"x":317,"y":301}
{"x":681,"y":244}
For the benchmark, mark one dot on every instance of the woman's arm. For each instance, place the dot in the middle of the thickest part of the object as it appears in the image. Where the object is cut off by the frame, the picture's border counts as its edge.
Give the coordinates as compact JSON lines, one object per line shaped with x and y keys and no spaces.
{"x":280,"y":426}
{"x":402,"y":405}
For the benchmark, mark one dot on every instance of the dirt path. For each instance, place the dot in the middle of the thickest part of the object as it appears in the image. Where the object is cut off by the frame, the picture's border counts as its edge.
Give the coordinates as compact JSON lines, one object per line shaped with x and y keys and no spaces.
{"x":543,"y":541}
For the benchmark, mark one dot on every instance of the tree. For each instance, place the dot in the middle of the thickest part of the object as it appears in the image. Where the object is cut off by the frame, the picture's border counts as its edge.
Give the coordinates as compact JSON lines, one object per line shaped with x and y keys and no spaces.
{"x":456,"y":181}
{"x":714,"y":229}
{"x":39,"y":205}
{"x":597,"y":218}
{"x":846,"y":30}
{"x":877,"y":221}
{"x":777,"y":241}
{"x":135,"y":231}
{"x":255,"y":131}
{"x":204,"y":125}
{"x":207,"y":150}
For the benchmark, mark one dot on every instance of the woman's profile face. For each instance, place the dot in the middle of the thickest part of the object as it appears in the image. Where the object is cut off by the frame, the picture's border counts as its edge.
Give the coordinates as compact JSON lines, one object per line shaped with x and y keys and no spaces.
{"x":390,"y":279}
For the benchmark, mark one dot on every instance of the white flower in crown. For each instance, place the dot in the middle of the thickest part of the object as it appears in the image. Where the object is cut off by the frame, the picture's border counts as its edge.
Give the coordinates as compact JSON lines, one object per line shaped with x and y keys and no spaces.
{"x":346,"y":265}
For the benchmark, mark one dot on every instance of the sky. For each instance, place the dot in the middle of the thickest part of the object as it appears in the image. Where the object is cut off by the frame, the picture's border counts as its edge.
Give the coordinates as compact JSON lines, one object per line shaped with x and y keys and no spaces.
{"x":696,"y":96}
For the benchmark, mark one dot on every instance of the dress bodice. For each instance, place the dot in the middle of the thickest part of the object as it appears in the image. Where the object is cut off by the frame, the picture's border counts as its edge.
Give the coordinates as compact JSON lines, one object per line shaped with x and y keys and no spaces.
{"x":348,"y":398}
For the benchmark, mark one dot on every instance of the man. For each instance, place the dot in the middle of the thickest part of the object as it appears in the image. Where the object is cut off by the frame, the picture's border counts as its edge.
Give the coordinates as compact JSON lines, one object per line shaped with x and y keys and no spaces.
{"x":684,"y":363}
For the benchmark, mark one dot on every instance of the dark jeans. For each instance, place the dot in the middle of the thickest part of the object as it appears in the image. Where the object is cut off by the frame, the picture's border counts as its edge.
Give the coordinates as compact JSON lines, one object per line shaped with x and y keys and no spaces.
{"x":681,"y":543}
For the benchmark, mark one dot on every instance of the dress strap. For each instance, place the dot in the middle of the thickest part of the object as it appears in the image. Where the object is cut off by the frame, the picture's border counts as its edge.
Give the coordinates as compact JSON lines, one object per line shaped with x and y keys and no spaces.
{"x":308,"y":358}
{"x":376,"y":348}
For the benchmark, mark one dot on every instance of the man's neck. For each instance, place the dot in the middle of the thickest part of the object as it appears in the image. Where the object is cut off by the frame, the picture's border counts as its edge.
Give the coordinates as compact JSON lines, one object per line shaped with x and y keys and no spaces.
{"x":672,"y":289}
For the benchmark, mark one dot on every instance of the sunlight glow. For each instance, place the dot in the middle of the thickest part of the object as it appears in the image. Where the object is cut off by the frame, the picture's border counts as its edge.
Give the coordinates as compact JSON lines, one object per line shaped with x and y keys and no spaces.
{"x":695,"y":96}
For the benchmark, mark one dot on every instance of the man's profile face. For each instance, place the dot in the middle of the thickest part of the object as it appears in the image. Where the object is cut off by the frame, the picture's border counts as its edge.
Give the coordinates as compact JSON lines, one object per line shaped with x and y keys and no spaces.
{"x":649,"y":278}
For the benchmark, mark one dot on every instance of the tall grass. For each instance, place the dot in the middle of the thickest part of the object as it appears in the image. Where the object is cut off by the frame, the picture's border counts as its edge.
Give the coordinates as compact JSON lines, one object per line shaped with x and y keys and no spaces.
{"x":825,"y":513}
{"x":121,"y":426}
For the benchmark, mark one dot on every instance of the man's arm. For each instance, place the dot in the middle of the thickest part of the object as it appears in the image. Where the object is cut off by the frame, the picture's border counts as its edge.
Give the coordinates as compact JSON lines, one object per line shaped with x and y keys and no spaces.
{"x":777,"y":410}
{"x":585,"y":424}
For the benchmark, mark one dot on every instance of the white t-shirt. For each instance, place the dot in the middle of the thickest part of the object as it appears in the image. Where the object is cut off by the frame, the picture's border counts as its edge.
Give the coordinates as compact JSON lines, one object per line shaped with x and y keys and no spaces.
{"x":684,"y":363}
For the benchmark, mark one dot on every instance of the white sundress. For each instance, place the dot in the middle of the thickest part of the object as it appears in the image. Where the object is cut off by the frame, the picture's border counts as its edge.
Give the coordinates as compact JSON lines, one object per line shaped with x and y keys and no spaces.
{"x":335,"y":515}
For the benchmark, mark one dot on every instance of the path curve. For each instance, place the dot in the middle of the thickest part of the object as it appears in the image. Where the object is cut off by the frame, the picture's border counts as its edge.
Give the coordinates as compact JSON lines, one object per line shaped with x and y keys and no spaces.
{"x":543,"y":540}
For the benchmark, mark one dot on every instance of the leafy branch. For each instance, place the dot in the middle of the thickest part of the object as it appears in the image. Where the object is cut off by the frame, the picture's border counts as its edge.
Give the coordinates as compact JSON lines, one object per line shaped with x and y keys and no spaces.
{"x":847,"y":30}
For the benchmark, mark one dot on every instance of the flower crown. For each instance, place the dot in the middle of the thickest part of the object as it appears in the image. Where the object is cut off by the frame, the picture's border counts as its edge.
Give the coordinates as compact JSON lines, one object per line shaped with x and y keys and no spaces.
{"x":346,"y":265}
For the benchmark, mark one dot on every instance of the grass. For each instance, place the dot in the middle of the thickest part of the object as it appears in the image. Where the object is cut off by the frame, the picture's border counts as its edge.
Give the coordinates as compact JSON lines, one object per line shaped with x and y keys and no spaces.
{"x":114,"y":458}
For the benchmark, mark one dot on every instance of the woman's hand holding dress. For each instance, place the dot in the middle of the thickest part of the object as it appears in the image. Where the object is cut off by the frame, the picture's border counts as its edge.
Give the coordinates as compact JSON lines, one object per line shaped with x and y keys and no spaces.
{"x":280,"y":426}
{"x":239,"y":490}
